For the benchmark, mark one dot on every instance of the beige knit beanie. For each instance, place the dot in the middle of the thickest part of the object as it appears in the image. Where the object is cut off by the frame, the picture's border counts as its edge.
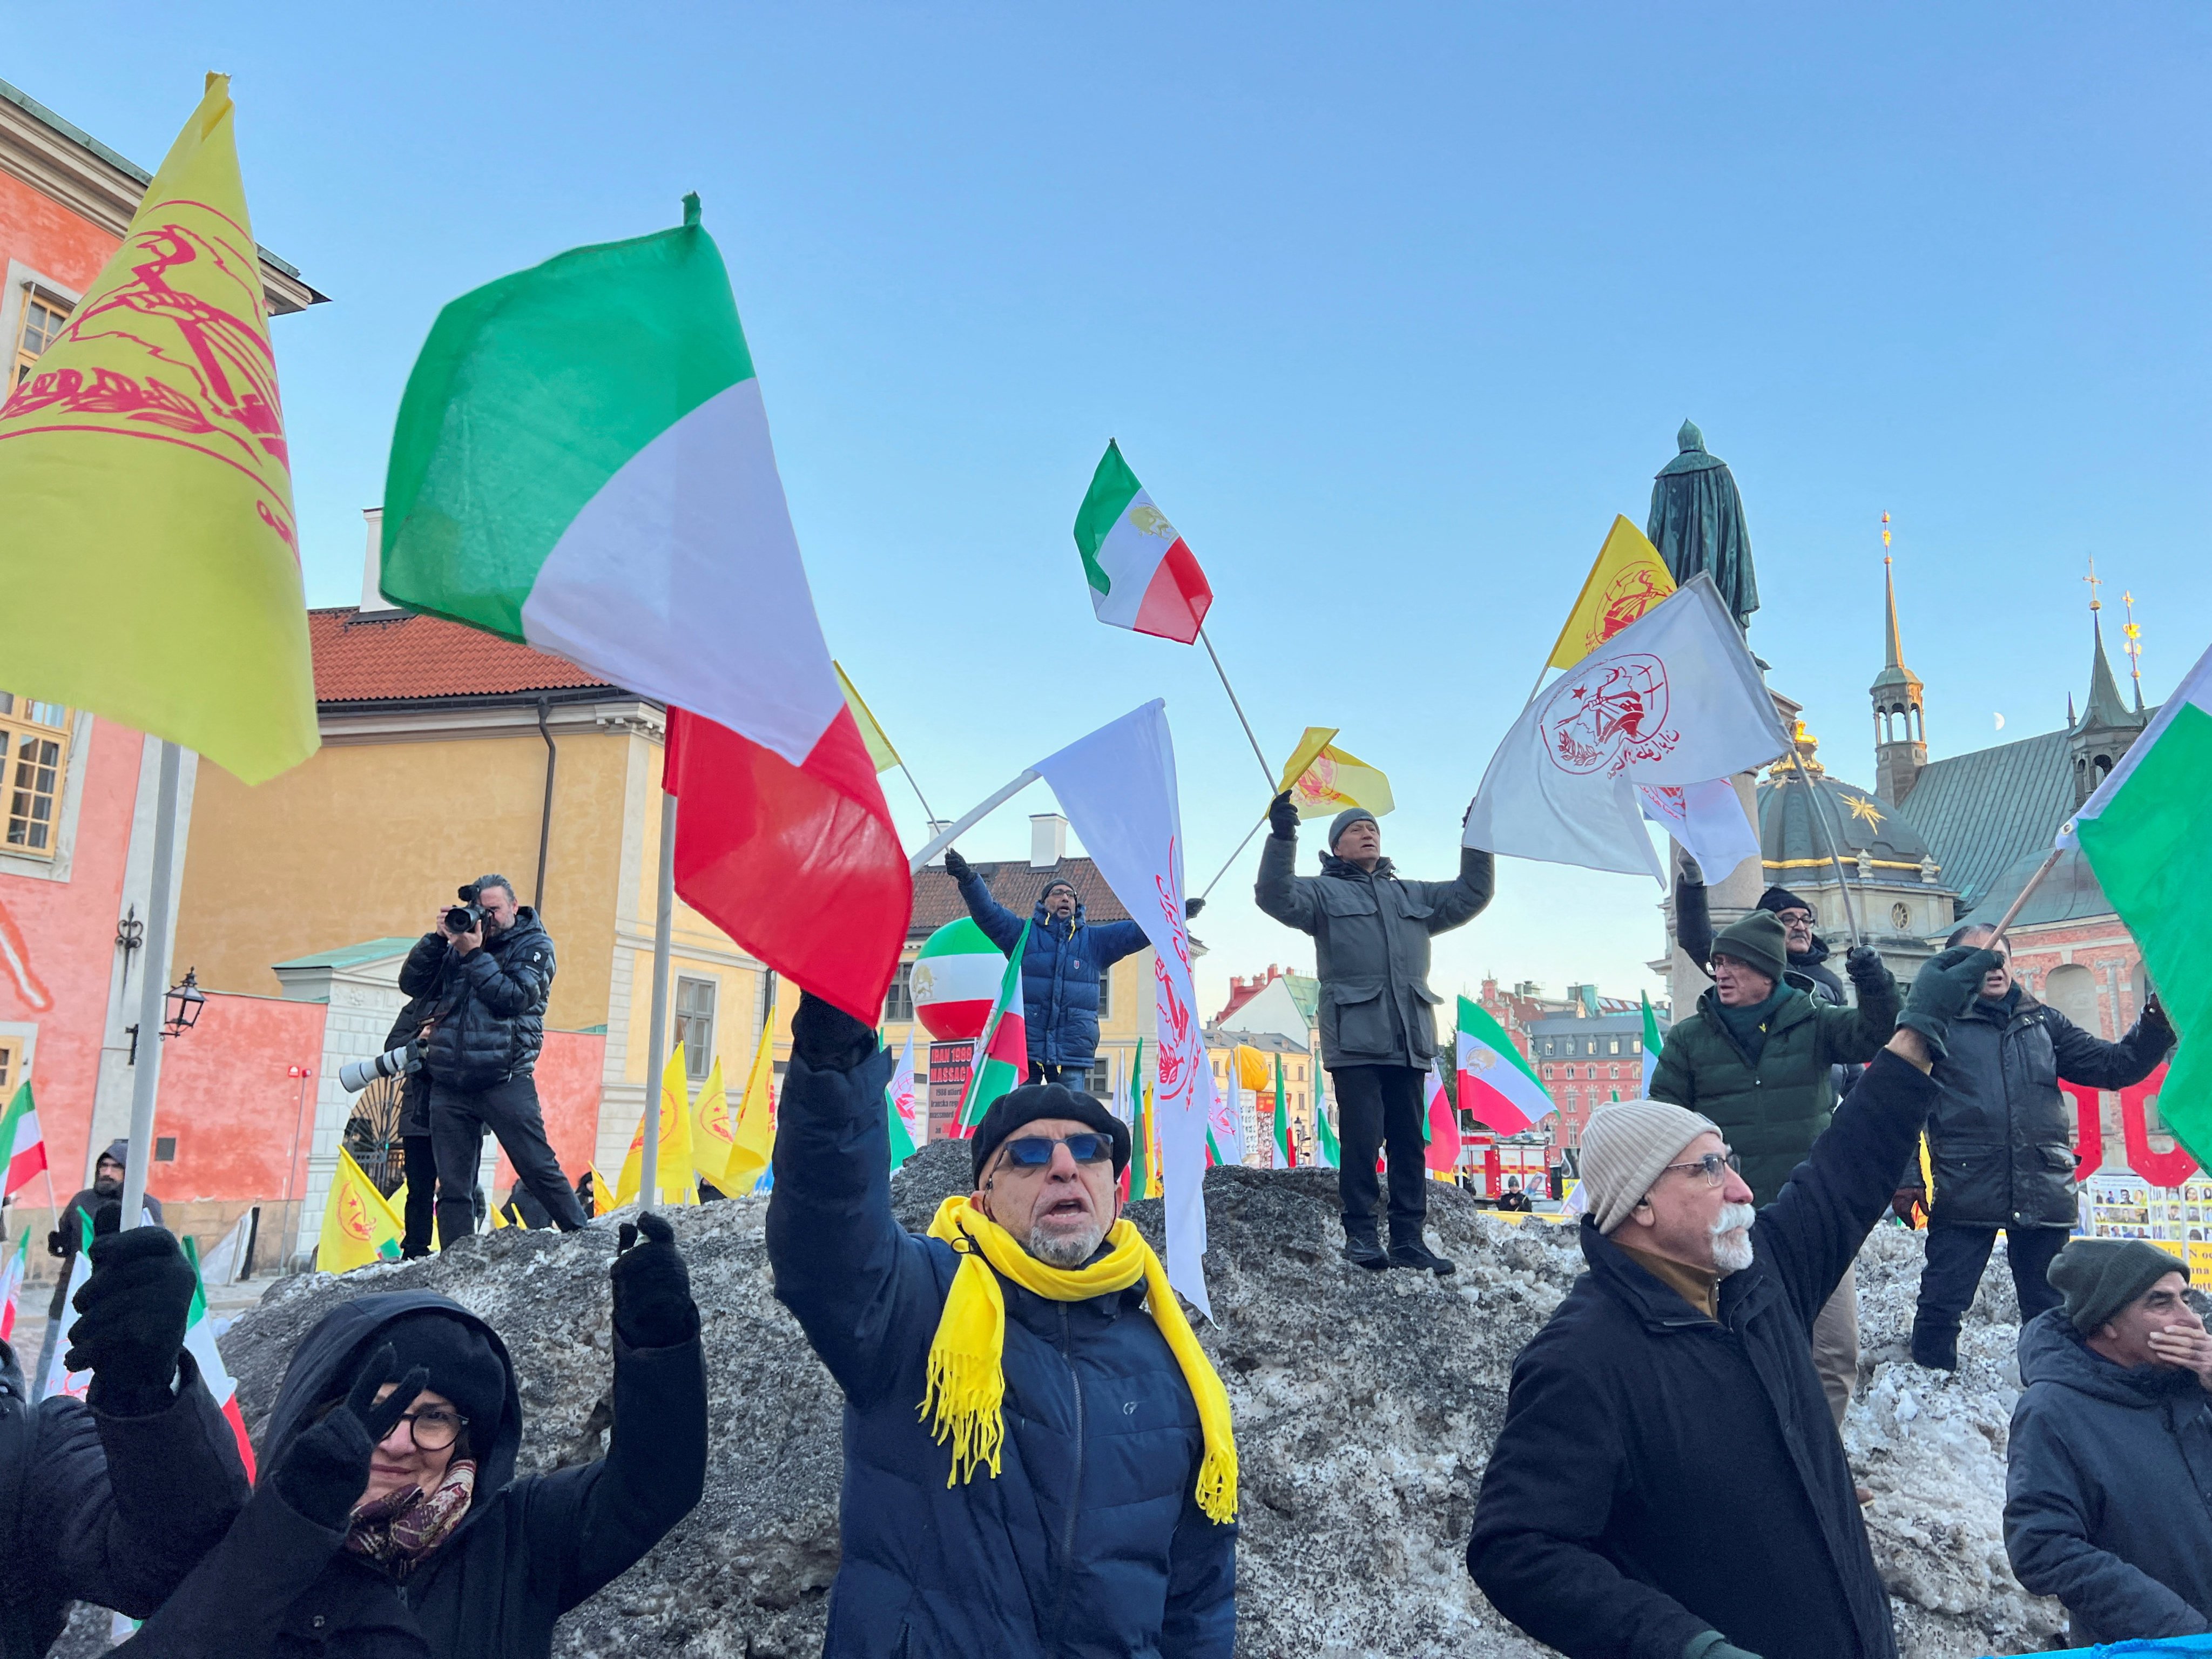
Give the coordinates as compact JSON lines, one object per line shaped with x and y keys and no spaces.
{"x":1625,"y":1146}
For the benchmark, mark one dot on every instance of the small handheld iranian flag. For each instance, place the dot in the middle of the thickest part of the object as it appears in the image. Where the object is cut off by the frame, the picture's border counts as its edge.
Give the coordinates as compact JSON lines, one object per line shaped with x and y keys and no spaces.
{"x":23,"y":1144}
{"x":11,"y":1286}
{"x":1142,"y":575}
{"x":1440,"y":1127}
{"x":909,"y":1129}
{"x":1002,"y":1053}
{"x":1652,"y":1044}
{"x":1495,"y":1083}
{"x":1326,"y":1151}
{"x":59,"y":1380}
{"x":1286,"y":1149}
{"x":199,"y":1342}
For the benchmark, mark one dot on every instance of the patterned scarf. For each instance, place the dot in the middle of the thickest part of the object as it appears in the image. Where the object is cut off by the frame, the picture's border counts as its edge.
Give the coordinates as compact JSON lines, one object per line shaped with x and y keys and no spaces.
{"x":398,"y":1529}
{"x":967,"y":1379}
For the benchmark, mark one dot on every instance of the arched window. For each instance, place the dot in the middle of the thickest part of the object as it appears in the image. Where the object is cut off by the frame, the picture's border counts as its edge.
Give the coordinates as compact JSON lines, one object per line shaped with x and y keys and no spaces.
{"x":2072,"y":990}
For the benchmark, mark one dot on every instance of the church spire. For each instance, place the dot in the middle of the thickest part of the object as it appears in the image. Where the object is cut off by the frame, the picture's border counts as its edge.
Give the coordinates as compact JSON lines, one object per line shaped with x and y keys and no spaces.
{"x":2106,"y":724}
{"x":1895,"y":647}
{"x":1900,"y":733}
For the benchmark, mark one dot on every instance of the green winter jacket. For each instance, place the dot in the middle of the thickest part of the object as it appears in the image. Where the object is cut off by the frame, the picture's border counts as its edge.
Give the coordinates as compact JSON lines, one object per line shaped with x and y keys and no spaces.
{"x":1772,"y":1111}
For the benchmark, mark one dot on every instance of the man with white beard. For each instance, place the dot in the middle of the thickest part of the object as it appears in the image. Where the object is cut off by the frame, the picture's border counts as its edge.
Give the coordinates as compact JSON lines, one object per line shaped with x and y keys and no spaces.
{"x":1668,"y":1483}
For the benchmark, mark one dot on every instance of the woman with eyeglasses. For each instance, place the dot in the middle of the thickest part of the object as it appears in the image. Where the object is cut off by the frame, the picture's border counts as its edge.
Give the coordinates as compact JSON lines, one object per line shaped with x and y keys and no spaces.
{"x":389,"y":1520}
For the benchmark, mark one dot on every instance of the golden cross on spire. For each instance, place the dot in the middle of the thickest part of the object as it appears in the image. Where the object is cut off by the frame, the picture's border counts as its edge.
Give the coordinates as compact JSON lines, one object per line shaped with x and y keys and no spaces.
{"x":2094,"y":583}
{"x":2134,"y":631}
{"x":1885,"y":538}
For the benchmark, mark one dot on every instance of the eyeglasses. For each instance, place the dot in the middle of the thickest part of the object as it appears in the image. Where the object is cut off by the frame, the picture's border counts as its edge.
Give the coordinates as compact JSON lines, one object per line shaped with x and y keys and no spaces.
{"x":1034,"y":1151}
{"x":434,"y":1428}
{"x":1712,"y":1166}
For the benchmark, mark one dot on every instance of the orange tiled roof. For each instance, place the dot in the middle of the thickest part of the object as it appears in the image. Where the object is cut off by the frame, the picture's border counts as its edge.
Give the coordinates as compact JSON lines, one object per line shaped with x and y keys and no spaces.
{"x":394,"y":656}
{"x":937,"y":897}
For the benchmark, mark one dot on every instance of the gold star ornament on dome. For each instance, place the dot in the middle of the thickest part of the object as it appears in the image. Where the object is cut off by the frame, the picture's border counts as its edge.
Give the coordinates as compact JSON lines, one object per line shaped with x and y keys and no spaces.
{"x":1862,"y":810}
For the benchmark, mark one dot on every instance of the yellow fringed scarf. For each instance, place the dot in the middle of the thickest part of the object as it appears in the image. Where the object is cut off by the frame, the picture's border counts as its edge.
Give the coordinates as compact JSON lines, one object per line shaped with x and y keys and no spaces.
{"x":967,"y":1378}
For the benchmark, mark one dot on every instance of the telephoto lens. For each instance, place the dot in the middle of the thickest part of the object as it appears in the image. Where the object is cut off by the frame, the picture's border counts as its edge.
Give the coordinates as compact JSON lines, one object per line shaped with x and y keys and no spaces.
{"x":357,"y":1074}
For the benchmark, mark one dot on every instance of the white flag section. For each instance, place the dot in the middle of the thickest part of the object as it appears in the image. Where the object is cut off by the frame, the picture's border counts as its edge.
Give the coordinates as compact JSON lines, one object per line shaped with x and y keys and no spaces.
{"x":911,"y":1112}
{"x":1673,"y":698}
{"x":1709,"y":821}
{"x":59,"y":1379}
{"x":1118,"y":788}
{"x":1228,"y":1117}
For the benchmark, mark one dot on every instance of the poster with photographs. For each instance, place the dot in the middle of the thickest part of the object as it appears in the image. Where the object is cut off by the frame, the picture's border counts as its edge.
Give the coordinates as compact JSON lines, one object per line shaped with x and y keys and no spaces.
{"x":2117,"y":1204}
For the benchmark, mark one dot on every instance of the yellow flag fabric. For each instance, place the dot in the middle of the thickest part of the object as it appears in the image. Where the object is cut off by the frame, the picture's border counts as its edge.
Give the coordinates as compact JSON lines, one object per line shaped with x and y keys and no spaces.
{"x":752,"y":1138}
{"x":149,"y":522}
{"x":672,"y":1171}
{"x":360,"y":1226}
{"x":1252,"y":1068}
{"x":711,"y":1133}
{"x":1323,"y":779}
{"x":499,"y":1218}
{"x":603,"y":1196}
{"x":880,"y":752}
{"x":1628,"y":578}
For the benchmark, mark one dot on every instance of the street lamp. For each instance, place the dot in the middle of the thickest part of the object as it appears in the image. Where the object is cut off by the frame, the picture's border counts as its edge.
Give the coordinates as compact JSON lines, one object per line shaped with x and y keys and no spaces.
{"x":183,"y":1004}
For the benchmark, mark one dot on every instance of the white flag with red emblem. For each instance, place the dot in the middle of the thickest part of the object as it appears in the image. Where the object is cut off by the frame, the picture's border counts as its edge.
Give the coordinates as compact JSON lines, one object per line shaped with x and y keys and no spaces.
{"x":1673,"y":698}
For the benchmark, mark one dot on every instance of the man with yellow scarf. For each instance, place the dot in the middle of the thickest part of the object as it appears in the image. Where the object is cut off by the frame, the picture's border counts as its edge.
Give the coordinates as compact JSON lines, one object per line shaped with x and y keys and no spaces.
{"x":1038,"y":1458}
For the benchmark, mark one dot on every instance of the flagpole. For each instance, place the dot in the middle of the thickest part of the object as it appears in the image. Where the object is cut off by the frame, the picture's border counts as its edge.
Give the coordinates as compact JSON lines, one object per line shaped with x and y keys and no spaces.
{"x":1812,"y":802}
{"x":928,"y":812}
{"x":1265,"y":770}
{"x":2034,"y":881}
{"x":154,"y":985}
{"x":656,"y":1031}
{"x":969,"y":820}
{"x":1233,"y":857}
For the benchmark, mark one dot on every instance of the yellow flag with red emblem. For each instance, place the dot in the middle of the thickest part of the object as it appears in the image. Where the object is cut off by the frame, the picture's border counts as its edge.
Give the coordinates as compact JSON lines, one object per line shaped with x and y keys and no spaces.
{"x":1628,"y":578}
{"x":1324,"y":779}
{"x":360,"y":1226}
{"x":149,"y":522}
{"x":712,"y":1132}
{"x":672,"y":1169}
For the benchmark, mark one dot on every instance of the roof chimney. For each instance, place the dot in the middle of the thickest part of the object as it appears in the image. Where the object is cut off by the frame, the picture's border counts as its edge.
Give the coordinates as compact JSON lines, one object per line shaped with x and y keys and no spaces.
{"x":372,"y":565}
{"x":1047,"y":839}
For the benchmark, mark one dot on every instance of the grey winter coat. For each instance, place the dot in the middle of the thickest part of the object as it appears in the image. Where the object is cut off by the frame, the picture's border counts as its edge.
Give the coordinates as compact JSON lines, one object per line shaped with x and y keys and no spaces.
{"x":1372,"y":944}
{"x":1999,"y":1137}
{"x":2108,"y":1489}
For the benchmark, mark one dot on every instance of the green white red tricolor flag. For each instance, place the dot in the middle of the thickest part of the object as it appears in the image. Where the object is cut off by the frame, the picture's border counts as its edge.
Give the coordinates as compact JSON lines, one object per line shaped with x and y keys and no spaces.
{"x":1496,"y":1084}
{"x":1286,"y":1149}
{"x":11,"y":1286}
{"x":58,"y":1378}
{"x":1652,"y":1044}
{"x":1440,"y":1125}
{"x":2144,"y":832}
{"x":909,"y":1124}
{"x":1326,"y":1151}
{"x":1142,"y":573}
{"x":610,"y":495}
{"x":1002,"y":1053}
{"x":23,"y":1144}
{"x":199,"y":1342}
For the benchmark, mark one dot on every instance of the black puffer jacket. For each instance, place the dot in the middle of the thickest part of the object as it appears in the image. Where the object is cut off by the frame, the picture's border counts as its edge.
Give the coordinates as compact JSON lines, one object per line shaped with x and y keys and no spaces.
{"x":488,"y":1006}
{"x":105,"y":1508}
{"x":2108,"y":1489}
{"x":1999,"y":1137}
{"x":281,"y":1587}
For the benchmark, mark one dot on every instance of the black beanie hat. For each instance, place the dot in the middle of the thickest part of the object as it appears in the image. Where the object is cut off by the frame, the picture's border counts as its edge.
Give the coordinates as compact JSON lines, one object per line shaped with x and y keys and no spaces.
{"x":2099,"y":1276}
{"x":463,"y":1366}
{"x":1032,"y":1100}
{"x":1756,"y":940}
{"x":1781,"y":898}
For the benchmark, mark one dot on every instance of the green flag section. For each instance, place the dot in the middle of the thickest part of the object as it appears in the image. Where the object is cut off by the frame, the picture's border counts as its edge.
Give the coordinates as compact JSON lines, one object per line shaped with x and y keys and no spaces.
{"x":1495,"y":1083}
{"x":1652,"y":1044}
{"x":23,"y":1143}
{"x":1002,"y":1053}
{"x":1142,"y":575}
{"x":1286,"y":1149}
{"x":1327,"y":1153}
{"x":2144,"y":833}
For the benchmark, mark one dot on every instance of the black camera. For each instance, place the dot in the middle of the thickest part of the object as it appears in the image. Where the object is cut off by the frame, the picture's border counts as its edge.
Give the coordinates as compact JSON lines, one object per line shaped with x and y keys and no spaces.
{"x":465,"y":917}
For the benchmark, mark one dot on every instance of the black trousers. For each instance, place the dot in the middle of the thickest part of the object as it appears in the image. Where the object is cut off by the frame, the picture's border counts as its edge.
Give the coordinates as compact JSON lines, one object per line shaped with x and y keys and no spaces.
{"x":422,"y":1193}
{"x":1956,"y":1257}
{"x":1070,"y":1075}
{"x":1377,"y":1105}
{"x":509,"y":1110}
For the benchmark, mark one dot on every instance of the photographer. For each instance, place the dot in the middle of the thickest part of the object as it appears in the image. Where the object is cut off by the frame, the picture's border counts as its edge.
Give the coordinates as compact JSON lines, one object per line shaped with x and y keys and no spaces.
{"x":486,"y":969}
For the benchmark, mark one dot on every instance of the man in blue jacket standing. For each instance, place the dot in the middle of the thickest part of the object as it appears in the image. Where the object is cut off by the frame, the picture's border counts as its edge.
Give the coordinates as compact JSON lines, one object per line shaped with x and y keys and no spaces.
{"x":1065,"y":958}
{"x":1038,"y":1455}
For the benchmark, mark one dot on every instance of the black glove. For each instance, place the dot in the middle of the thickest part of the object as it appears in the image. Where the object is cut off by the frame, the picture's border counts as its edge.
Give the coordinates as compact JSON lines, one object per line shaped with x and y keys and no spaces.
{"x":130,"y":1320}
{"x":325,"y":1471}
{"x":54,"y":1243}
{"x":827,"y":1038}
{"x":956,"y":866}
{"x":1864,"y":963}
{"x":1946,"y":985}
{"x":1283,"y":818}
{"x":1191,"y":907}
{"x":654,"y":1307}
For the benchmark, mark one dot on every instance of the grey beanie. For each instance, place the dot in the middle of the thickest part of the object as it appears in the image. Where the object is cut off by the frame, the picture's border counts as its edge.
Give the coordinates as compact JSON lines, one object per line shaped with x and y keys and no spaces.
{"x":2099,"y":1276}
{"x":1625,"y":1146}
{"x":1344,"y":821}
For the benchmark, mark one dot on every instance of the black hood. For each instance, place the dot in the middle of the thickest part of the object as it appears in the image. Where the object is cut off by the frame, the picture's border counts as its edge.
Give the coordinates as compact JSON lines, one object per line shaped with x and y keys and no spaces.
{"x":2051,"y":1351}
{"x":330,"y":1356}
{"x":1818,"y":953}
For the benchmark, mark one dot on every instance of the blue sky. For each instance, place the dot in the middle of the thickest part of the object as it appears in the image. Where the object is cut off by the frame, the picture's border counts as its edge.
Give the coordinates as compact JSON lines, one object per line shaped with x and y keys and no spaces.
{"x":1392,"y":309}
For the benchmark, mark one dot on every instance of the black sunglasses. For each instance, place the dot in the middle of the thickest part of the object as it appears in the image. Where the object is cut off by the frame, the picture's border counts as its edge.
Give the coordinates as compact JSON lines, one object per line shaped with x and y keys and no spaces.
{"x":1034,"y":1151}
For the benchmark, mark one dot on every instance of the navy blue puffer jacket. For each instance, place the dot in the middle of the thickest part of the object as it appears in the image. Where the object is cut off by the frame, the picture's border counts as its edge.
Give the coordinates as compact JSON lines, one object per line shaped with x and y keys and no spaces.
{"x":1060,"y":971}
{"x":1089,"y":1544}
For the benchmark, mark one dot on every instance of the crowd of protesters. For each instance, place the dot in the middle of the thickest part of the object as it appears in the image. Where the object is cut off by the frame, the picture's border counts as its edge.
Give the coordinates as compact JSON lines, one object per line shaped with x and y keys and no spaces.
{"x":1668,"y":1481}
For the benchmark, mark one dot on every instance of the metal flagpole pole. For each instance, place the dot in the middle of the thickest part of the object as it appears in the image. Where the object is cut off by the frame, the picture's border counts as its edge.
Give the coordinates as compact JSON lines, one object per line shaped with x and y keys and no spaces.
{"x":969,"y":819}
{"x":154,"y":985}
{"x":1233,"y":857}
{"x":656,"y":1031}
{"x":1265,"y":770}
{"x":928,"y":812}
{"x":2033,"y":882}
{"x":1812,"y":802}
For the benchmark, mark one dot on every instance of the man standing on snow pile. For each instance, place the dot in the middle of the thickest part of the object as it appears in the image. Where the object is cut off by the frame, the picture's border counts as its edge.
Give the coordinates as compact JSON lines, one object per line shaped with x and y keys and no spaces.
{"x":2108,"y":1479}
{"x":1669,"y":1482}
